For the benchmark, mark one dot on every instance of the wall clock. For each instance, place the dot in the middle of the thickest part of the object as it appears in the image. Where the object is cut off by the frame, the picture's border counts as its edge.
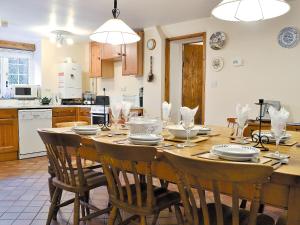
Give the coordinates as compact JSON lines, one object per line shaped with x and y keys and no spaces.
{"x":217,"y":40}
{"x":217,"y":64}
{"x":151,"y":44}
{"x":288,"y":37}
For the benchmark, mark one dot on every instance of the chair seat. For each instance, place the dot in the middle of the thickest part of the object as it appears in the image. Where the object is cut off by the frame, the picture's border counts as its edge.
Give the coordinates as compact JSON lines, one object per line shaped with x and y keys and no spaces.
{"x":262,"y":219}
{"x":94,"y":179}
{"x":163,"y":197}
{"x":282,"y":220}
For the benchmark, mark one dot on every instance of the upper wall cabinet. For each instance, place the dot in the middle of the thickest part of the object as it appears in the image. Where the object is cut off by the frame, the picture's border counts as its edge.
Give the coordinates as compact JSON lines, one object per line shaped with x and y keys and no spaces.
{"x":95,"y":60}
{"x":111,"y":52}
{"x":98,"y":66}
{"x":103,"y":57}
{"x":132,"y":57}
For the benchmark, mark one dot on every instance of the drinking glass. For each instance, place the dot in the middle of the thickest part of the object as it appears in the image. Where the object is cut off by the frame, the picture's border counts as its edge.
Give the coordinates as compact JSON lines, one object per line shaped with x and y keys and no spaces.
{"x":241,"y":127}
{"x":115,"y":112}
{"x":188,"y":126}
{"x":278,"y":130}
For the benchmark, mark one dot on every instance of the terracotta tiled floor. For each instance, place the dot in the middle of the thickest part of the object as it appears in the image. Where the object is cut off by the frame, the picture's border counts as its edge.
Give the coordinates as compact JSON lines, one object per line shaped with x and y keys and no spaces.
{"x":24,"y":197}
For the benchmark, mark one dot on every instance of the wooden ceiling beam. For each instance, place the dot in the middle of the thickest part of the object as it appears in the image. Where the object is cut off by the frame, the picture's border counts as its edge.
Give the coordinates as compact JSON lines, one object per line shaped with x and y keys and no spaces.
{"x":17,"y":45}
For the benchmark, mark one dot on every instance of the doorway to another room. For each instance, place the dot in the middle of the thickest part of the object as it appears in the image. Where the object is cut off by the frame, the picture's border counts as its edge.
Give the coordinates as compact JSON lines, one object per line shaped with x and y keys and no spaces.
{"x":185,"y":74}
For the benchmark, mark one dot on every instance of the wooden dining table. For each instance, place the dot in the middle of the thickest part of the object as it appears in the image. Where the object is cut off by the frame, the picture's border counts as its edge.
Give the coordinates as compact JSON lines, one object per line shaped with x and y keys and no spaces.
{"x":283,"y":190}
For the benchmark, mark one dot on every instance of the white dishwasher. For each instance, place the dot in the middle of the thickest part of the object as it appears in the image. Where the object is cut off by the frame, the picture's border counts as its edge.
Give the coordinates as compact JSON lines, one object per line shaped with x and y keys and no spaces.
{"x":30,"y":143}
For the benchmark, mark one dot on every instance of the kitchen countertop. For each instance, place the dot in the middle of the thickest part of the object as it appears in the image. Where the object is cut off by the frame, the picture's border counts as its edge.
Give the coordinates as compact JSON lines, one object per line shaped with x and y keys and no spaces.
{"x":49,"y":106}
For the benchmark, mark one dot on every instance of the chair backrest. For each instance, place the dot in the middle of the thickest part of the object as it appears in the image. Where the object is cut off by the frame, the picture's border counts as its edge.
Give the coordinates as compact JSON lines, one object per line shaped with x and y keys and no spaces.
{"x":71,"y":124}
{"x":119,"y":162}
{"x":208,"y":175}
{"x":61,"y":150}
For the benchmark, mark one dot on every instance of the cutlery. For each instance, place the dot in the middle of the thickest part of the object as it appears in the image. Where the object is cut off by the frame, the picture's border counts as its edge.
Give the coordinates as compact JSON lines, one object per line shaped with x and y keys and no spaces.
{"x":199,"y":153}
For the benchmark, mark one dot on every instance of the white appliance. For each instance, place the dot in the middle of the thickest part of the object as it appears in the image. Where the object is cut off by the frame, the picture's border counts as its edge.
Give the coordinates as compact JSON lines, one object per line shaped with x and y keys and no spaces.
{"x":69,"y":80}
{"x":98,"y":115}
{"x":25,"y":91}
{"x":30,"y":143}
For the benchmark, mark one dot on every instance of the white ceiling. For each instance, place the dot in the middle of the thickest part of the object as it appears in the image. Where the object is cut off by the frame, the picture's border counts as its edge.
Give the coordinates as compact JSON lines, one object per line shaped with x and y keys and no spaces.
{"x":84,"y":16}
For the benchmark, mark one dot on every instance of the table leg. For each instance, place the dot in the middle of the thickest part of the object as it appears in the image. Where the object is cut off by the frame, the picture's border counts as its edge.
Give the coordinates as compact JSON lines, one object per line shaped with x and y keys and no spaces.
{"x":293,"y":215}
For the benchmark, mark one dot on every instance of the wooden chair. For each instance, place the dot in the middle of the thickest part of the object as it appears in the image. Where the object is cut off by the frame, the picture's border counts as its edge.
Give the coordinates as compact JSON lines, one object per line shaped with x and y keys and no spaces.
{"x":71,"y":124}
{"x":209,"y":175}
{"x":69,"y":177}
{"x":137,"y":196}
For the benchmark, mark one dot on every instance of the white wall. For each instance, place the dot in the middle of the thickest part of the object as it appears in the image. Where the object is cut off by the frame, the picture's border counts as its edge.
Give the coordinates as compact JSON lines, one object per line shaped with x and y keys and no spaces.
{"x":269,"y":71}
{"x":51,"y":56}
{"x":119,"y":85}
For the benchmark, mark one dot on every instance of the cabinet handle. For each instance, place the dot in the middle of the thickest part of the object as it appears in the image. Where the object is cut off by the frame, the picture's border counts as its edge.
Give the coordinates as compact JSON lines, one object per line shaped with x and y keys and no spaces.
{"x":99,"y":58}
{"x":119,"y":54}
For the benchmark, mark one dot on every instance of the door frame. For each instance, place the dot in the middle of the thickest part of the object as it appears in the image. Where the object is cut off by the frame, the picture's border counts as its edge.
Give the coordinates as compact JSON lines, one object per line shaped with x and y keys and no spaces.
{"x":167,"y":67}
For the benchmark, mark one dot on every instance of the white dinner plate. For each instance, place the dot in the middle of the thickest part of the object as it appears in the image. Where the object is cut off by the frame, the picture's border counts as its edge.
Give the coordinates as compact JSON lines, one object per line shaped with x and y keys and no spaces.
{"x":143,"y":142}
{"x":272,"y":139}
{"x":86,"y":128}
{"x":235,"y":150}
{"x":204,"y":130}
{"x":145,"y":137}
{"x":233,"y":158}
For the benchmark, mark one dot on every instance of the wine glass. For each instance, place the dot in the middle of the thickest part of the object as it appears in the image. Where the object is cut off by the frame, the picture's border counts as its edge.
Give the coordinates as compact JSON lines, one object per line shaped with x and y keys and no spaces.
{"x":278,"y":130}
{"x":115,"y":112}
{"x":188,"y":126}
{"x":241,"y":127}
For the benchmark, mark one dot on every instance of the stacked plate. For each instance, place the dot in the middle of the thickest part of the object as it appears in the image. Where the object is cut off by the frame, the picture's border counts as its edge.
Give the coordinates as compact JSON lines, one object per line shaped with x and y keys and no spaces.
{"x":86,"y":130}
{"x":145,"y":139}
{"x":204,"y":130}
{"x":234,"y":152}
{"x":272,"y":139}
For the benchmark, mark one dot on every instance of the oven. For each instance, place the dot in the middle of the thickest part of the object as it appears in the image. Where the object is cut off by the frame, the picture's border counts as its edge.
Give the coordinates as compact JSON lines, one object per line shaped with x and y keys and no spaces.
{"x":99,"y":118}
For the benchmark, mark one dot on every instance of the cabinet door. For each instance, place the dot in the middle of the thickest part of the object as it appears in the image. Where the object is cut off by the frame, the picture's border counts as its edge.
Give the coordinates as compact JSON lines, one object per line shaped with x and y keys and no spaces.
{"x":132,"y":58}
{"x":111,"y":52}
{"x":8,"y":139}
{"x":95,"y":63}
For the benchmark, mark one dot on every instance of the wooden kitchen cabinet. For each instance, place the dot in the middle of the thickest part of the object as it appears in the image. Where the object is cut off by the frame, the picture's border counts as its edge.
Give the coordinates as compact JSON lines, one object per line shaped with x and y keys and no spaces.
{"x":84,"y":114}
{"x":95,"y":59}
{"x":9,"y":140}
{"x":111,"y":52}
{"x":98,"y":66}
{"x":133,"y":57}
{"x":63,"y":114}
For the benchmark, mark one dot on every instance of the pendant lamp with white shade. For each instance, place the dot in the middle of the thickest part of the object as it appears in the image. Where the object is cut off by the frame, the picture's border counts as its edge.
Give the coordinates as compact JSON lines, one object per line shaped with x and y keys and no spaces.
{"x":250,"y":10}
{"x":115,"y":31}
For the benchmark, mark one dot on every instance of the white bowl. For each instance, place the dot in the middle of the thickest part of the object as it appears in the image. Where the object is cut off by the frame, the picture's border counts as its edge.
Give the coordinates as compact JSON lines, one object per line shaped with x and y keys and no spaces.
{"x":141,"y":125}
{"x":179,"y":132}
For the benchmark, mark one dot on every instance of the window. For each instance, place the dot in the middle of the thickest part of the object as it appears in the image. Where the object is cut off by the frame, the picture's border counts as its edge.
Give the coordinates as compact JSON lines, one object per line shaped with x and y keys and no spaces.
{"x":15,"y":68}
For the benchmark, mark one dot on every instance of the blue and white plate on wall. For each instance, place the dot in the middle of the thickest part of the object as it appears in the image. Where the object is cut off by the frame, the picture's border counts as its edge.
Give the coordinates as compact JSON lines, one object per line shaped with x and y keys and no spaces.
{"x":288,"y":37}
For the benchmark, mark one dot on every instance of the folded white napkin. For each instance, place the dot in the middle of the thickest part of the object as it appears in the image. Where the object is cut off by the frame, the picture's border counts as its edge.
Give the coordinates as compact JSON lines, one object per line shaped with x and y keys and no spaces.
{"x":188,"y":114}
{"x":116,"y":110}
{"x":126,"y":106}
{"x":166,"y":110}
{"x":242,"y":114}
{"x":278,"y":119}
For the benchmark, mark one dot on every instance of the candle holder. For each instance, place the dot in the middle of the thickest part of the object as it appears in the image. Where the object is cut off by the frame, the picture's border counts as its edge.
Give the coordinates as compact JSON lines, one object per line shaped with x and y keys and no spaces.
{"x":258,"y":138}
{"x":105,"y":125}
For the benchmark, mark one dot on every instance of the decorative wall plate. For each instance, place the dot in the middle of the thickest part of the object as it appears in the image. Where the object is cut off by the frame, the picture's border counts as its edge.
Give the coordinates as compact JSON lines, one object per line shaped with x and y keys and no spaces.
{"x":151,"y":44}
{"x":217,"y":64}
{"x":217,"y":40}
{"x":288,"y":37}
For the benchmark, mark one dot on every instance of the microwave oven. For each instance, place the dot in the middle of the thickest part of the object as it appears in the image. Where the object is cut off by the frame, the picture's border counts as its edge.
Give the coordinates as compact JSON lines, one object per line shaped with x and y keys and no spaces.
{"x":25,"y":91}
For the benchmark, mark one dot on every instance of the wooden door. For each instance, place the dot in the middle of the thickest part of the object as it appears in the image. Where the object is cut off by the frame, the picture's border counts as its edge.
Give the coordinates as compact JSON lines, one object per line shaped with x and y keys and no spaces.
{"x":192,"y":78}
{"x":95,"y":63}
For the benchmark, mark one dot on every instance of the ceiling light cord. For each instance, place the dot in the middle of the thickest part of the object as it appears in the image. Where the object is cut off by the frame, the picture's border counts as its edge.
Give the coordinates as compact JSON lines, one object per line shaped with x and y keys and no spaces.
{"x":115,"y":11}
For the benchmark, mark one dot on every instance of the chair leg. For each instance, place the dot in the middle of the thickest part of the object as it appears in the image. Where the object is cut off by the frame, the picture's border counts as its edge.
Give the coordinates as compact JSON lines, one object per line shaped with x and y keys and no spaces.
{"x":154,"y":221}
{"x":87,"y":200}
{"x":76,"y":209}
{"x":178,"y":215}
{"x":143,"y":220}
{"x":51,"y":187}
{"x":57,"y":203}
{"x":53,"y":206}
{"x":113,"y":216}
{"x":261,"y":208}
